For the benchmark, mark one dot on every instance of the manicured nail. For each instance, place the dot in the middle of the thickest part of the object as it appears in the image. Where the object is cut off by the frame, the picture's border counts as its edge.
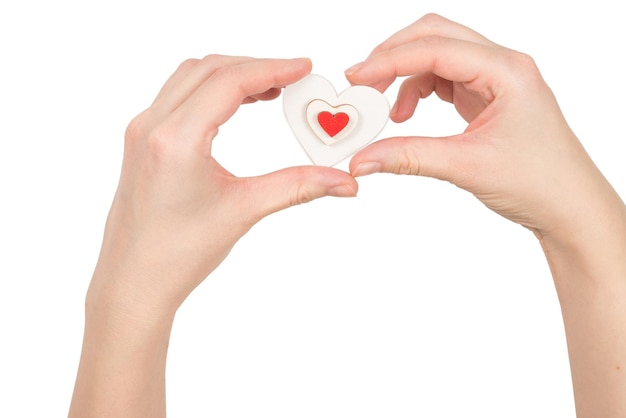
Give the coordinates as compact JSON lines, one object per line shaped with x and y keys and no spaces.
{"x":353,"y":69}
{"x":342,"y":191}
{"x":364,"y":169}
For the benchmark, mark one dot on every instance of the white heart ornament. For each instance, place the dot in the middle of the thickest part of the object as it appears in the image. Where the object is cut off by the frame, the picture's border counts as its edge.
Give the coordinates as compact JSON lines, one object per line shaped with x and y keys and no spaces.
{"x":331,"y":127}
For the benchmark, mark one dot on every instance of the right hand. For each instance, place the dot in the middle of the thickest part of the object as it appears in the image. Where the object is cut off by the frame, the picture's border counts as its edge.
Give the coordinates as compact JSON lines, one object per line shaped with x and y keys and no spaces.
{"x":177,"y":212}
{"x":518,"y":155}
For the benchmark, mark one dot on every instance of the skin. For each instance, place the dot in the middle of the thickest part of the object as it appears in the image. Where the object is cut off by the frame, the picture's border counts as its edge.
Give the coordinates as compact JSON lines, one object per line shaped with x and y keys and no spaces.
{"x":175,"y":216}
{"x":521,"y":159}
{"x":177,"y":212}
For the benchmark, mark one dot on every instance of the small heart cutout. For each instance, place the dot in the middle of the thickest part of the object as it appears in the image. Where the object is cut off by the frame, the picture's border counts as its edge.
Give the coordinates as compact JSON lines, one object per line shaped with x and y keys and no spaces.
{"x":331,"y":127}
{"x":332,"y":124}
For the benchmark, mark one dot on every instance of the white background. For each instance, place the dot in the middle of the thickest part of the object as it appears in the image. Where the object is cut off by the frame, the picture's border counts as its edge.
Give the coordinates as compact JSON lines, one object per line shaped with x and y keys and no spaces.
{"x":410,"y":300}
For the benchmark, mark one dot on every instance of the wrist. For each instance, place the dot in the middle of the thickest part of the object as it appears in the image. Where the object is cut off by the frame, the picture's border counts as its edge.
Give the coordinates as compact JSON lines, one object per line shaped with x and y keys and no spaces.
{"x":121,"y":299}
{"x":589,"y":224}
{"x":124,"y":315}
{"x":590,"y":250}
{"x":123,"y":357}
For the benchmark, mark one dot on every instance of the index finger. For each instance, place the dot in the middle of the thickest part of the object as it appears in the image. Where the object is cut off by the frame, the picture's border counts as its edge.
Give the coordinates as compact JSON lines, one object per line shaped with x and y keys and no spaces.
{"x":217,"y":99}
{"x":431,"y":25}
{"x":483,"y":68}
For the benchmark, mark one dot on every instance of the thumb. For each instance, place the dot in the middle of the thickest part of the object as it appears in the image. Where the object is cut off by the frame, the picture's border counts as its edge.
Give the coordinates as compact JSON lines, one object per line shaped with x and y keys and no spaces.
{"x":442,"y":158}
{"x":296,"y":185}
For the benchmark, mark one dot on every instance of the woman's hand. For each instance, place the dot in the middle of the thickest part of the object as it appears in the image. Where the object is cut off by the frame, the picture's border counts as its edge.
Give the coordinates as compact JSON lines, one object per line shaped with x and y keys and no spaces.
{"x":517,"y":155}
{"x":520,"y":158}
{"x":175,"y":216}
{"x":177,"y":212}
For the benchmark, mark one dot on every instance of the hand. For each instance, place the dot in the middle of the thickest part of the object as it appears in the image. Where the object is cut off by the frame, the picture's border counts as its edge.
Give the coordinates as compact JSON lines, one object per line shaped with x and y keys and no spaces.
{"x":177,"y":212}
{"x":517,"y":155}
{"x":175,"y":216}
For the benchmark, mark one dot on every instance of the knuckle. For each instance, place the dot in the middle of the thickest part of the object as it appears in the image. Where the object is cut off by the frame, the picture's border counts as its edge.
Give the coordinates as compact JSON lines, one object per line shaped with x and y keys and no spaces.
{"x":160,"y":145}
{"x":406,"y":162}
{"x":137,"y":128}
{"x":151,"y":145}
{"x":524,"y":65}
{"x":524,"y":61}
{"x":431,"y":19}
{"x":212,"y":58}
{"x":301,"y":195}
{"x":225,"y":73}
{"x":188,"y":64}
{"x":218,"y":64}
{"x":232,"y":77}
{"x":206,"y":64}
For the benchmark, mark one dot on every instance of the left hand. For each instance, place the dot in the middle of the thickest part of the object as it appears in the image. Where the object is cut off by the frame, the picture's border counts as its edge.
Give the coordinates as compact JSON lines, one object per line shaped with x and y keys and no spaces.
{"x":517,"y":154}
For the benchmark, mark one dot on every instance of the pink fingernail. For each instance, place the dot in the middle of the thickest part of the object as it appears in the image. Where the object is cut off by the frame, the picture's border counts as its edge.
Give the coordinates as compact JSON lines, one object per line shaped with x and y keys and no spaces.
{"x":342,"y":191}
{"x":394,"y":109}
{"x":353,"y":69}
{"x":364,"y":169}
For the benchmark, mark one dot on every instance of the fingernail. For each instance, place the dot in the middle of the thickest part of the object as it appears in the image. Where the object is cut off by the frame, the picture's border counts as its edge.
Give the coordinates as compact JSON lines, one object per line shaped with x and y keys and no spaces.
{"x":342,"y":191}
{"x":306,"y":59}
{"x":394,"y":109}
{"x":364,"y":169}
{"x":354,"y":68}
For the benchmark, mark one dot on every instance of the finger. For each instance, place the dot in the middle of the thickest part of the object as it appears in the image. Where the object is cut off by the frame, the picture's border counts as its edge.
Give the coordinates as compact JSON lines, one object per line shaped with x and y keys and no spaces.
{"x":293,"y":186}
{"x":448,"y":158}
{"x":271,"y":94}
{"x":431,"y":25}
{"x":188,"y":77}
{"x":415,"y":88}
{"x":480,"y":67}
{"x":383,"y":85}
{"x":217,"y":99}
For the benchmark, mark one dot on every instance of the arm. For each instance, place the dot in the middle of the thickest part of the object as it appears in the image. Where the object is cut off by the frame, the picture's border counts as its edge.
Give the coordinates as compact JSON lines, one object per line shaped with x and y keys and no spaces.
{"x":590,"y":276}
{"x":521,"y":159}
{"x":175,"y":216}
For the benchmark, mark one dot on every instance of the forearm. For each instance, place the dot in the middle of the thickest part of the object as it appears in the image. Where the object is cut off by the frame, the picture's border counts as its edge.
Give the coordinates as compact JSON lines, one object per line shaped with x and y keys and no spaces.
{"x":122,"y":366}
{"x":590,"y":278}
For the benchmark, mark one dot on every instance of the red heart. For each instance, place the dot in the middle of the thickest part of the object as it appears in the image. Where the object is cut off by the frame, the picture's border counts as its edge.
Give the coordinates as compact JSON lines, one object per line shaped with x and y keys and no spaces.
{"x":332,"y":124}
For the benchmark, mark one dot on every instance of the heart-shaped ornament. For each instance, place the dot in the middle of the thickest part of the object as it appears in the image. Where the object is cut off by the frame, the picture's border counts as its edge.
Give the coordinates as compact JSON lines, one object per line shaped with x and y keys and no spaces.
{"x":331,"y":127}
